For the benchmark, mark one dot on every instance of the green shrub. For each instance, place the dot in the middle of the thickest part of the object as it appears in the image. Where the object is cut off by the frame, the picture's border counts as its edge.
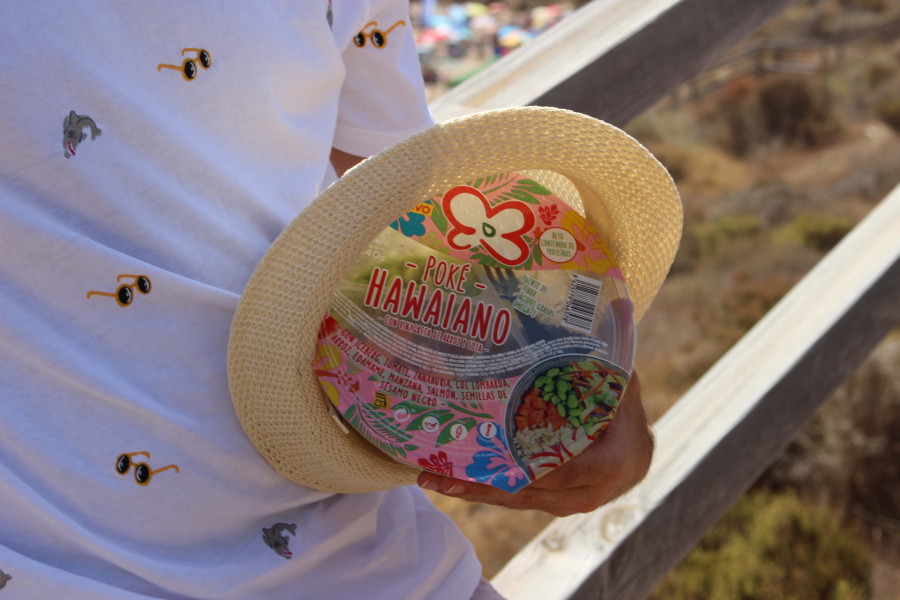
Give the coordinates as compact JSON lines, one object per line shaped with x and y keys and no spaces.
{"x":750,"y":298}
{"x":879,"y":73}
{"x":820,"y":232}
{"x":797,"y":111}
{"x":772,"y":546}
{"x":733,"y":117}
{"x":709,"y":237}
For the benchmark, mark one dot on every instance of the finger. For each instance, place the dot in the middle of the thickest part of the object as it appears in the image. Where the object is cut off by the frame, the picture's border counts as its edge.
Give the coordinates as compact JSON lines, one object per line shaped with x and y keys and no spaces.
{"x":560,"y":503}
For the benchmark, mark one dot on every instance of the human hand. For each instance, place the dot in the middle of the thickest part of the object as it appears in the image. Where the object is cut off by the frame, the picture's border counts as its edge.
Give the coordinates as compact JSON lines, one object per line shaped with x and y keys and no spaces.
{"x":614,"y":463}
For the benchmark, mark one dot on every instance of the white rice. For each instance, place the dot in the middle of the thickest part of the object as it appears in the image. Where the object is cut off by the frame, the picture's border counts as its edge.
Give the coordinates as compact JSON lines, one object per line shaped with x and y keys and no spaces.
{"x":539,"y":439}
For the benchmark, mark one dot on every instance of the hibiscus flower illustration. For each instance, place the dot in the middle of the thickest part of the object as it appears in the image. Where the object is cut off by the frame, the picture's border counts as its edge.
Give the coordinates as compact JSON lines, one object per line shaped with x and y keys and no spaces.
{"x":438,"y":464}
{"x":411,"y":224}
{"x":548,"y":213}
{"x":498,"y":229}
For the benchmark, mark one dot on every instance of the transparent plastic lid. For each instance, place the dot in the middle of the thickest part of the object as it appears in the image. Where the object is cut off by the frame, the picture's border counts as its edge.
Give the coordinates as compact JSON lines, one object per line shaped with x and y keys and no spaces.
{"x":486,"y":335}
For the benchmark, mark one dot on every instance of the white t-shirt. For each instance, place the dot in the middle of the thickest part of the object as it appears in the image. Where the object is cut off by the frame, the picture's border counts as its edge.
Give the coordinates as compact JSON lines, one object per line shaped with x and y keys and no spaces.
{"x":149,"y":154}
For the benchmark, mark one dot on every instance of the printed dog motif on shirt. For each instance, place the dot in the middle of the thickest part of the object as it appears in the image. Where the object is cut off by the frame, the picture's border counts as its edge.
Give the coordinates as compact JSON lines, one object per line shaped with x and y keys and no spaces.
{"x":378,"y":37}
{"x":3,"y":579}
{"x":124,"y":294}
{"x":73,"y":132}
{"x":142,"y":471}
{"x":188,"y":67}
{"x":275,"y":538}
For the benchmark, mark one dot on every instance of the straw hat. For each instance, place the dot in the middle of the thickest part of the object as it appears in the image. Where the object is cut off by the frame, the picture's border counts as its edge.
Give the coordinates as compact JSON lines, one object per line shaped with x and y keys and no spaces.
{"x":624,"y":192}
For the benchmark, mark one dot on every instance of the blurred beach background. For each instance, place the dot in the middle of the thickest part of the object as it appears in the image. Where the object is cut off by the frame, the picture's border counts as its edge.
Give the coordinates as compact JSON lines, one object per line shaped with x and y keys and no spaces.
{"x":777,"y":151}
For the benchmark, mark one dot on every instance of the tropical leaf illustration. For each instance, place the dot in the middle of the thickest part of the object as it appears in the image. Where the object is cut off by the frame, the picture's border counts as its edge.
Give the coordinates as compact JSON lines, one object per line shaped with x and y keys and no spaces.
{"x":441,"y":414}
{"x":519,"y":195}
{"x":473,"y":404}
{"x":391,"y":449}
{"x":531,"y":186}
{"x":536,"y":254}
{"x":369,"y":419}
{"x":438,"y":218}
{"x":498,"y":181}
{"x":483,"y":259}
{"x":526,"y":190}
{"x":400,"y":449}
{"x":412,"y":408}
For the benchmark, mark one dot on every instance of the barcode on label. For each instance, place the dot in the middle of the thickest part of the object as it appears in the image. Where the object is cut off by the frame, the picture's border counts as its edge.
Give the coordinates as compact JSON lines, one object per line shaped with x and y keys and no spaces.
{"x":581,"y":304}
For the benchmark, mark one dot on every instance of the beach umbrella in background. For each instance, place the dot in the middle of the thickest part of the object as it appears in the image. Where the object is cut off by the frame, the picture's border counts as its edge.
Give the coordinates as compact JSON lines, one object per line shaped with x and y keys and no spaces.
{"x":483,"y":24}
{"x":497,"y":8}
{"x":457,"y":14}
{"x":545,"y":16}
{"x":511,"y":36}
{"x":476,"y":9}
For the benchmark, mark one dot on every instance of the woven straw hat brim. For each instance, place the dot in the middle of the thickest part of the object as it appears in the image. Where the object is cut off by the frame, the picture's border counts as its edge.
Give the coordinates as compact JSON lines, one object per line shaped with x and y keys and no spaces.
{"x":627,"y":196}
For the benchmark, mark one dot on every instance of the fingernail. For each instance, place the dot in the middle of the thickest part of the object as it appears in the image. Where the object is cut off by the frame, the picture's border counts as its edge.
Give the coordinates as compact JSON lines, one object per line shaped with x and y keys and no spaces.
{"x":451,"y":486}
{"x":429,"y":484}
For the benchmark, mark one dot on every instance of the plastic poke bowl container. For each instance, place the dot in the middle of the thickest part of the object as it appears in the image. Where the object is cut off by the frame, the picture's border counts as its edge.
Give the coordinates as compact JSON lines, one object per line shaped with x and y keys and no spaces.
{"x":485,"y":335}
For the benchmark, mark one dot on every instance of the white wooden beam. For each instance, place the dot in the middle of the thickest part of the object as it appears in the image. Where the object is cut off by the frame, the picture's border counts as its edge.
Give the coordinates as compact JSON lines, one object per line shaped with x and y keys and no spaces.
{"x":717,"y":440}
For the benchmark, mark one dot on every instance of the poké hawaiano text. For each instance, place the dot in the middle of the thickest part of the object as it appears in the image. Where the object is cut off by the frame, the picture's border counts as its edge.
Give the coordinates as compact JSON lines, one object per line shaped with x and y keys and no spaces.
{"x":446,"y":306}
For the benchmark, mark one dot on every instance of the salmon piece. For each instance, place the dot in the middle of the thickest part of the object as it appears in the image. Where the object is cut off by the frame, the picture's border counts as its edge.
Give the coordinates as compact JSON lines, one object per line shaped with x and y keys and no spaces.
{"x":555,"y":421}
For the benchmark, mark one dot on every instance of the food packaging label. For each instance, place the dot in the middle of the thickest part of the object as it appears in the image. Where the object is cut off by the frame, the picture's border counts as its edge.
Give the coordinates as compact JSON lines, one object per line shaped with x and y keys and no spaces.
{"x":486,"y":335}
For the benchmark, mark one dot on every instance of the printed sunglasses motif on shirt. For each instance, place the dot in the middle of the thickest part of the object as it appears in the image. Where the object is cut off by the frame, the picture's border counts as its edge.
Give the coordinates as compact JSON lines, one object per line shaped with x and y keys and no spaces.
{"x":142,"y":471}
{"x":329,"y":16}
{"x":275,"y":538}
{"x":378,"y":37}
{"x":124,"y":295}
{"x":188,"y":68}
{"x":73,"y":132}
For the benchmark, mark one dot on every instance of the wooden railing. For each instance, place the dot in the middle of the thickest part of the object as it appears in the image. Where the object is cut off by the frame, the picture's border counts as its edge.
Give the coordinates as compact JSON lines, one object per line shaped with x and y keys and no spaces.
{"x":613,"y":60}
{"x":793,"y":56}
